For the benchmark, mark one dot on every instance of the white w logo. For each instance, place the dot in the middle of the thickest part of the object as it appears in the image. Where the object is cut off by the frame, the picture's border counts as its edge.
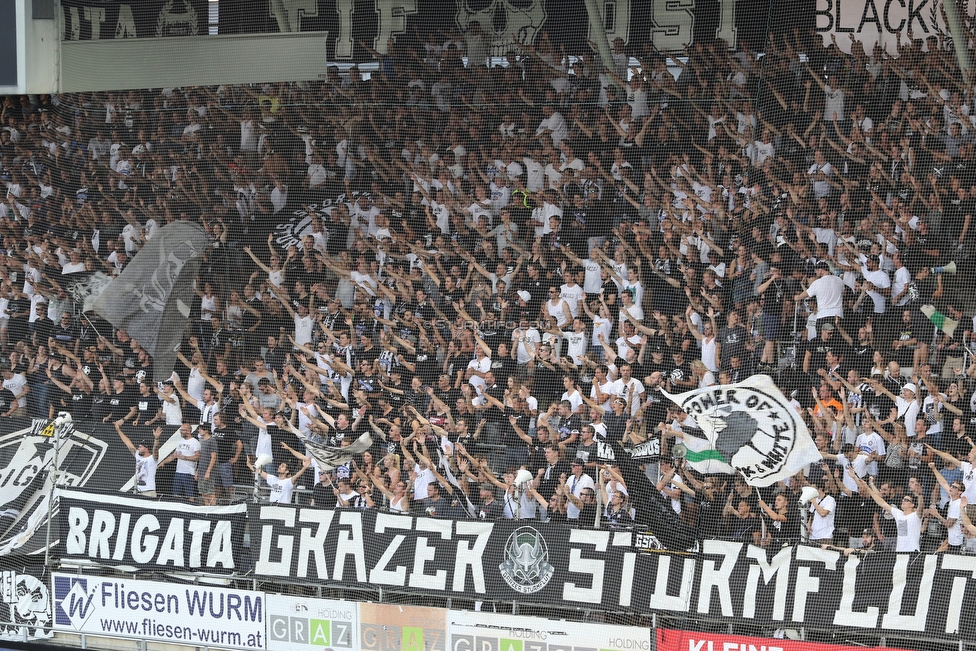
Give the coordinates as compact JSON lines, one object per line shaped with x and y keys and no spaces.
{"x":76,"y":605}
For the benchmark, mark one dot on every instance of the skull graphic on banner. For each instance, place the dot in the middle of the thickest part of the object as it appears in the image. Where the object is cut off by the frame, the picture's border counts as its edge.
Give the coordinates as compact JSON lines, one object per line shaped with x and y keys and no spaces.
{"x":508,"y":23}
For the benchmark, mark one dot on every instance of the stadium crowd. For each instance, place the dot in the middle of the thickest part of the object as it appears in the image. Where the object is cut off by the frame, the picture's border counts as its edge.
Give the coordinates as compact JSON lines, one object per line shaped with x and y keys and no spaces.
{"x":507,"y":262}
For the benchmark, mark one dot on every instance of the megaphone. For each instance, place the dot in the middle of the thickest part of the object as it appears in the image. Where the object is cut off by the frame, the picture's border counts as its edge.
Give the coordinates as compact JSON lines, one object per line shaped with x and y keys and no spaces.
{"x":262,"y":461}
{"x":808,"y":494}
{"x":679,"y":450}
{"x":522,"y":476}
{"x":947,"y":269}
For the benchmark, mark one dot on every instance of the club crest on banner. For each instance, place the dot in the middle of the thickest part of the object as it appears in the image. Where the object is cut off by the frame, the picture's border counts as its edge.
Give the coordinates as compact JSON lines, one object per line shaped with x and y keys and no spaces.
{"x":526,"y":568}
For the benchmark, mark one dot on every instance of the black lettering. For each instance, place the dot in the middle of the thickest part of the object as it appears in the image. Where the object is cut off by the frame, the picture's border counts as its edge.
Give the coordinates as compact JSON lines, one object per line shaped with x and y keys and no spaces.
{"x":913,"y":14}
{"x":828,"y":14}
{"x":752,"y":401}
{"x":839,"y":21}
{"x":887,"y":23}
{"x":869,"y":5}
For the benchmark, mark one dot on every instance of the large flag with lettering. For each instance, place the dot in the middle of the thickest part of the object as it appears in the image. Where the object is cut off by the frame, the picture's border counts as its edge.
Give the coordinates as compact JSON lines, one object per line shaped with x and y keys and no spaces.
{"x":752,"y":427}
{"x":151,"y":298}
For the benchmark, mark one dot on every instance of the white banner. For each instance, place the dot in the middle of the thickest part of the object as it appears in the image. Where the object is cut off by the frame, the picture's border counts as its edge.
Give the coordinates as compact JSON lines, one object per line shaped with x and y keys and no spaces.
{"x":191,"y":615}
{"x":297,"y":624}
{"x":880,"y":21}
{"x":471,"y":631}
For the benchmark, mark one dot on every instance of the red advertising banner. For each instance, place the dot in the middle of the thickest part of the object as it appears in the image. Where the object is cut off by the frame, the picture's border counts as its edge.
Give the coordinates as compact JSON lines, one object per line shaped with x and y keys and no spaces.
{"x":671,"y":640}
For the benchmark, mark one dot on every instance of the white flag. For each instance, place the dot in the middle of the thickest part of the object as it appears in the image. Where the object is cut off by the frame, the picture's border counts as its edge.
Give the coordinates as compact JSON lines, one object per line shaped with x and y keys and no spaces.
{"x":753,"y":427}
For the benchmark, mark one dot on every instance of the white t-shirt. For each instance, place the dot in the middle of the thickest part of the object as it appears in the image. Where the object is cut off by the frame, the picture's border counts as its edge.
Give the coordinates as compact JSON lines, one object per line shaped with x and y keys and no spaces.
{"x":622,"y":389}
{"x":822,"y":526}
{"x":592,"y":282}
{"x":16,"y":386}
{"x":829,"y":292}
{"x":902,"y":278}
{"x":880,"y":280}
{"x":573,"y":295}
{"x":483,"y":365}
{"x":871,"y":443}
{"x":606,"y":389}
{"x":955,"y":535}
{"x":521,"y":337}
{"x":303,"y":329}
{"x":577,"y":346}
{"x":145,"y":472}
{"x":969,"y":481}
{"x":909,"y":530}
{"x":281,"y":490}
{"x":187,"y":447}
{"x":575,"y":400}
{"x":576,"y":487}
{"x":601,"y":326}
{"x":172,"y":411}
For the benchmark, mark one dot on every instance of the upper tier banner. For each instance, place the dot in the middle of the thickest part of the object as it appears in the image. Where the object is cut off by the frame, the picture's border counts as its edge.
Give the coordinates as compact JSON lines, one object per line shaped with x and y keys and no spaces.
{"x":883,"y":23}
{"x":94,"y":20}
{"x":354,"y":27}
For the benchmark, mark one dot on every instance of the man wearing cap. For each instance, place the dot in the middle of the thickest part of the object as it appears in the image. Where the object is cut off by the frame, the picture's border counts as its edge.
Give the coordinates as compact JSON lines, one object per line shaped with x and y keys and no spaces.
{"x":828,"y":289}
{"x":577,"y":483}
{"x":907,"y":403}
{"x":147,"y":460}
{"x":867,"y":545}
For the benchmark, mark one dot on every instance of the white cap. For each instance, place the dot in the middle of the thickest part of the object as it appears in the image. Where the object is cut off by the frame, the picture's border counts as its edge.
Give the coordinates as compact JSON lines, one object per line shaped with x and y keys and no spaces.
{"x":910,"y":387}
{"x":524,"y":295}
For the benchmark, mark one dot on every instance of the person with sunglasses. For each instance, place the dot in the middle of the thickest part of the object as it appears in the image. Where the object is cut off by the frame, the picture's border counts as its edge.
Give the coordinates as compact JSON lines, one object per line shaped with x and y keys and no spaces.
{"x":908,"y":518}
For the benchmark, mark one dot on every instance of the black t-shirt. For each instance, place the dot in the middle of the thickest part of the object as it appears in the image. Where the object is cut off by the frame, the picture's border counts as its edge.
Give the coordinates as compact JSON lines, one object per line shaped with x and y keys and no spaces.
{"x":148,"y":406}
{"x":818,"y":349}
{"x":491,"y":510}
{"x":502,"y":368}
{"x":733,"y":342}
{"x":679,"y":373}
{"x":121,"y":403}
{"x":773,"y":298}
{"x":78,"y":404}
{"x":227,"y":439}
{"x":427,"y":368}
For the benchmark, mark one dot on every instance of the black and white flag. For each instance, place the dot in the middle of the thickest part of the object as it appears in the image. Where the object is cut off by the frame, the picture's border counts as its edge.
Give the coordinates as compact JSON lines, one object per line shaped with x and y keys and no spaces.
{"x":329,"y":457}
{"x":753,"y":428}
{"x":151,"y":298}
